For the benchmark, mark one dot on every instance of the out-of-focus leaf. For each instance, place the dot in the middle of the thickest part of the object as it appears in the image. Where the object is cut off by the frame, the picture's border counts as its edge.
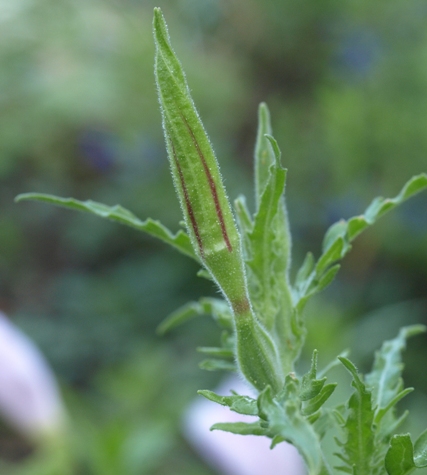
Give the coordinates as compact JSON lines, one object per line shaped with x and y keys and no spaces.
{"x":399,"y":459}
{"x":385,"y":377}
{"x":239,"y":404}
{"x":241,"y":428}
{"x":117,"y":213}
{"x":217,"y":365}
{"x":217,"y":308}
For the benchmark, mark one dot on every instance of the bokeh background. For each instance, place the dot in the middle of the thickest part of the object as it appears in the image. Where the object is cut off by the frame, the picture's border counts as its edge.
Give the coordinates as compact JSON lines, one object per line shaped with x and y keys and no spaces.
{"x":346,"y":83}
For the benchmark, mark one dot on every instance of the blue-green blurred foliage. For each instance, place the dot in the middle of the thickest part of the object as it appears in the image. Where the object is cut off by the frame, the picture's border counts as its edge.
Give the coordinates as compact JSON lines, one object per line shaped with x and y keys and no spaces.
{"x":347,"y":86}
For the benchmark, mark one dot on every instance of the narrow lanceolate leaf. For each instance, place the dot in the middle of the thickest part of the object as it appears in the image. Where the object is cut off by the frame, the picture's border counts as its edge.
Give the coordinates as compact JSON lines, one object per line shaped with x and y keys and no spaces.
{"x":196,"y":174}
{"x":179,"y":241}
{"x":241,"y":428}
{"x":207,"y":211}
{"x":268,"y":246}
{"x":385,"y":377}
{"x":359,"y":447}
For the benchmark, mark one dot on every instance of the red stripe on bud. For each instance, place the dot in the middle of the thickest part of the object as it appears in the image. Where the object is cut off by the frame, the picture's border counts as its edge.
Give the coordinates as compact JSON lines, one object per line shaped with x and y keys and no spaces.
{"x":212,"y":187}
{"x":190,"y":209}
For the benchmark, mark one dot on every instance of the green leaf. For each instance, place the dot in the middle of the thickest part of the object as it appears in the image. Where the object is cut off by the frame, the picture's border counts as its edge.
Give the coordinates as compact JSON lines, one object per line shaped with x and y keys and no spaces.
{"x":350,"y":229}
{"x":317,"y":402}
{"x":385,"y":377}
{"x":179,"y":241}
{"x":310,"y":386}
{"x":338,"y":238}
{"x":217,"y":365}
{"x":359,"y":446}
{"x":240,"y":404}
{"x":332,"y":254}
{"x":399,"y":459}
{"x":403,"y":457}
{"x":217,"y":308}
{"x":267,"y":243}
{"x":420,"y":450}
{"x":286,"y":422}
{"x":269,"y":260}
{"x":305,"y":270}
{"x":241,"y":428}
{"x":216,"y":351}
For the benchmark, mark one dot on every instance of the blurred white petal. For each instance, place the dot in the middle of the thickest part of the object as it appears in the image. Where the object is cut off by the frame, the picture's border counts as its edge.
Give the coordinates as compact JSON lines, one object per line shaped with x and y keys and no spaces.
{"x":29,"y":395}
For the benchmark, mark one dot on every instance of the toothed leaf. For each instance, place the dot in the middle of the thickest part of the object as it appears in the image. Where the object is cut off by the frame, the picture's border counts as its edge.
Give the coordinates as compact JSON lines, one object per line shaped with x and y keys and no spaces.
{"x":240,"y":404}
{"x":179,"y":241}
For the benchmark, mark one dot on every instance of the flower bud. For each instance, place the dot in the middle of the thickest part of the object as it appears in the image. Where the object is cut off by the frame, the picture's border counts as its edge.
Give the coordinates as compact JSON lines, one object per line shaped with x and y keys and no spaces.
{"x":207,"y":211}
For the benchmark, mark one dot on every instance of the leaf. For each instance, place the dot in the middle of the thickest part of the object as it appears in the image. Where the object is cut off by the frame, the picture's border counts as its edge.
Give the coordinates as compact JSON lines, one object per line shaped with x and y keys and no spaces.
{"x":420,"y":450}
{"x":399,"y":459}
{"x":338,"y":238}
{"x":268,"y":240}
{"x":359,"y":447}
{"x":385,"y":377}
{"x":241,"y":428}
{"x":240,"y":404}
{"x":379,"y":207}
{"x":305,"y":270}
{"x":402,"y":457}
{"x":216,"y":351}
{"x":268,"y":243}
{"x":206,"y":306}
{"x":310,"y":386}
{"x":217,"y":365}
{"x":179,"y":241}
{"x":286,"y":421}
{"x":317,"y":402}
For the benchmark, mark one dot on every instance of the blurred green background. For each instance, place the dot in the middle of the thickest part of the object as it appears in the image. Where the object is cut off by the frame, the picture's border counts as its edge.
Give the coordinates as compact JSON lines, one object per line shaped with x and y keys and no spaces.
{"x":346,"y":83}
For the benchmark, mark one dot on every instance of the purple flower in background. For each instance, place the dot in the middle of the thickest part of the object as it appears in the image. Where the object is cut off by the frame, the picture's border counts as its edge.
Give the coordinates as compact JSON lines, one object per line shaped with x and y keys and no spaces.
{"x":29,"y":395}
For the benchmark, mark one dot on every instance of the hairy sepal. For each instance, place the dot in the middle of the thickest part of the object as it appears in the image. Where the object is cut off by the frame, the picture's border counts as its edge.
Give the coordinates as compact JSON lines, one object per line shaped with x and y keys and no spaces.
{"x":196,"y":174}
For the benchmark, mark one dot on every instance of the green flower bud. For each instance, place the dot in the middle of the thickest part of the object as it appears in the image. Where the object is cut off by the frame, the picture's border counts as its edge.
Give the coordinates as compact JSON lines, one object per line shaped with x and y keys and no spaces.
{"x":207,"y":210}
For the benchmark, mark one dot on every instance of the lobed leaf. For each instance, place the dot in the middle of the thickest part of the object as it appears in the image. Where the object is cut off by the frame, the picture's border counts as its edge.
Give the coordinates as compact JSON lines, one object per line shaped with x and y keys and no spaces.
{"x":314,"y":404}
{"x":310,"y":385}
{"x":117,"y":213}
{"x":240,"y":404}
{"x":286,"y":422}
{"x":359,"y":446}
{"x":338,"y":238}
{"x":385,"y":377}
